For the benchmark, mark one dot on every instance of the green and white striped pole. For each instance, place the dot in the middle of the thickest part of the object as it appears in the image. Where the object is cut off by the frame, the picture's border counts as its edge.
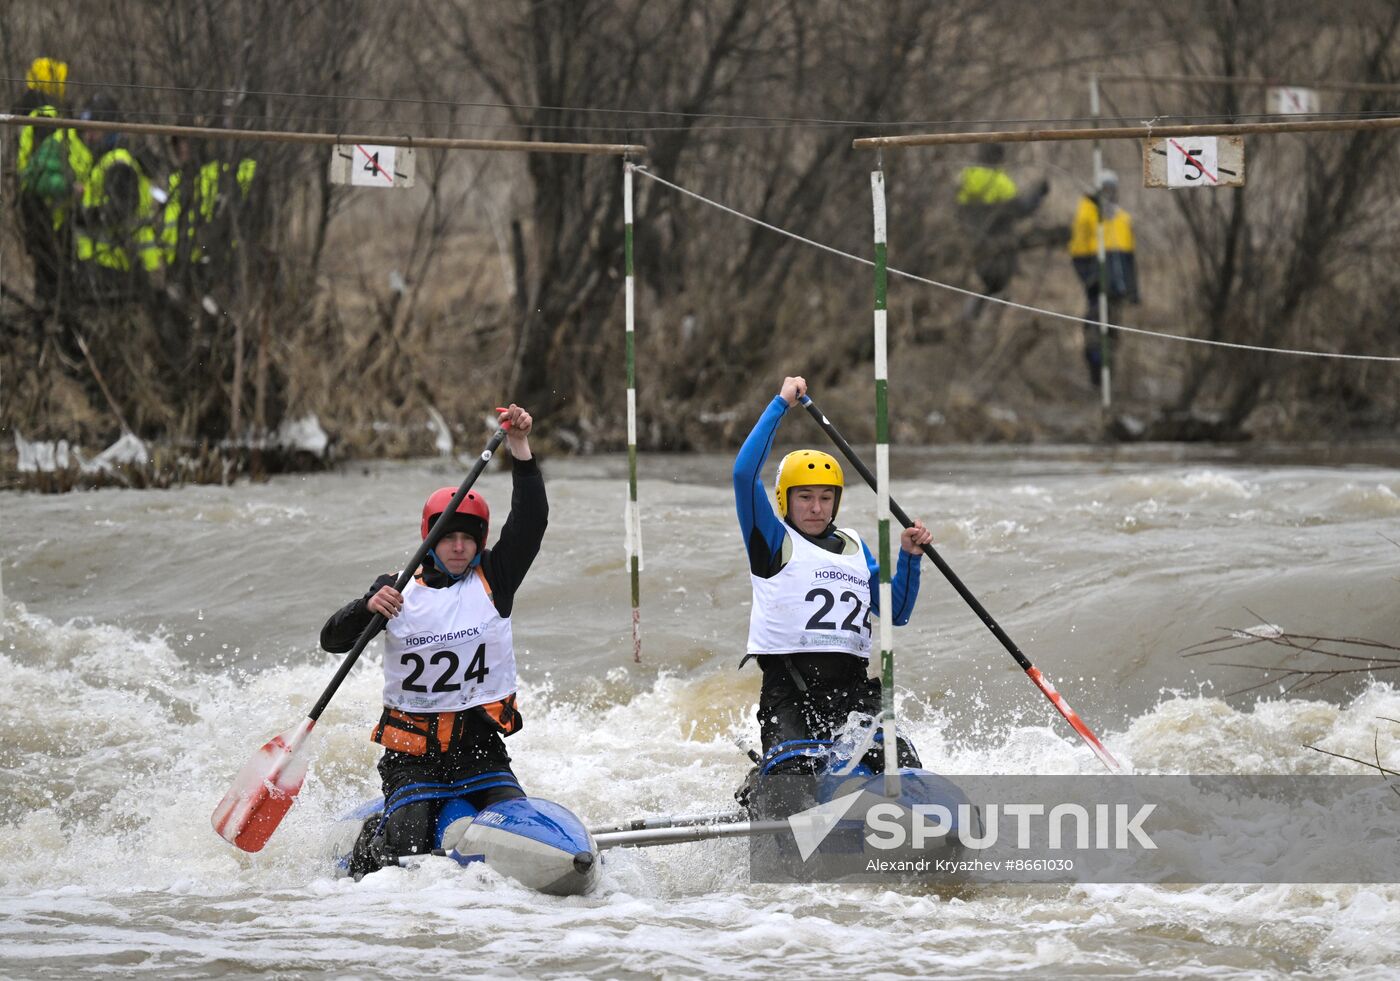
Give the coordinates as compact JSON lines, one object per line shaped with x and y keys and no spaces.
{"x":882,"y":489}
{"x":634,"y":516}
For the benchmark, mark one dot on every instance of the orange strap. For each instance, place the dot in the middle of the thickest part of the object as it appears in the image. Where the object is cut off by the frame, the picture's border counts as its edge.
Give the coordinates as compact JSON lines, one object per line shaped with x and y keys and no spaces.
{"x":504,"y":714}
{"x":408,"y":732}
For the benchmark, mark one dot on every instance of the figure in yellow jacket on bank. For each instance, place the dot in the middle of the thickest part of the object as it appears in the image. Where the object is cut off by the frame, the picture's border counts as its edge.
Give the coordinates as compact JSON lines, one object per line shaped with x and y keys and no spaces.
{"x":1120,"y":266}
{"x":51,"y":165}
{"x":990,"y":210}
{"x":196,"y":223}
{"x":116,"y":231}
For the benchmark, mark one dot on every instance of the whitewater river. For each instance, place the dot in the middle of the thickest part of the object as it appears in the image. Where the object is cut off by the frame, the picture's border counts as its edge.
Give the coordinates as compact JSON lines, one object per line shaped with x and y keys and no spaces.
{"x":153,"y":639}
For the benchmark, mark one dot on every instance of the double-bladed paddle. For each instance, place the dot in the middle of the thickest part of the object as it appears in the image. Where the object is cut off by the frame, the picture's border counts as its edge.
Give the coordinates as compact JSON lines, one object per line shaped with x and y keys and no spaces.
{"x":1031,"y":670}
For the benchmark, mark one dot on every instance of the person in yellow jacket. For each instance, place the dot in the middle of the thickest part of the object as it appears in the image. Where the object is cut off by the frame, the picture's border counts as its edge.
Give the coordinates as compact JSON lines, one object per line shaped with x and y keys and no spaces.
{"x":116,"y":226}
{"x":51,"y":165}
{"x":1120,"y":265}
{"x":187,"y":212}
{"x":989,"y":207}
{"x":46,"y":85}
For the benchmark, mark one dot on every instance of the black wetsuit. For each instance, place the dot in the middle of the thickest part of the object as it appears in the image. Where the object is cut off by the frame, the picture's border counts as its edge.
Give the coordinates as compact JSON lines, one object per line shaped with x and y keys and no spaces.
{"x":477,"y":746}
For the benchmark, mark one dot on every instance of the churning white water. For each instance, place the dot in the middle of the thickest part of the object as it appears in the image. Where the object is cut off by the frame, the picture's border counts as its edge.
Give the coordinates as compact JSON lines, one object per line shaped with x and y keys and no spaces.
{"x":153,"y":639}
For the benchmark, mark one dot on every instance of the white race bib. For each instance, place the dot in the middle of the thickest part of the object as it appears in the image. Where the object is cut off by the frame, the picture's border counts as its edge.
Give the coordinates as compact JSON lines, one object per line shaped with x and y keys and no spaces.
{"x":448,"y":649}
{"x":819,"y":601}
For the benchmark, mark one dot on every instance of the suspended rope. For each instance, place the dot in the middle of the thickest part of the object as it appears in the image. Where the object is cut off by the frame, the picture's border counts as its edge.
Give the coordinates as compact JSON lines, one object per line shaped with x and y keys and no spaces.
{"x":1140,"y":331}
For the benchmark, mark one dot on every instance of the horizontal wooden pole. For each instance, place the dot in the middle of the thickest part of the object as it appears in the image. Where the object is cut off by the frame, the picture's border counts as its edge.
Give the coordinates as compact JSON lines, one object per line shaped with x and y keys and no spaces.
{"x":326,"y":139}
{"x":1128,"y":132}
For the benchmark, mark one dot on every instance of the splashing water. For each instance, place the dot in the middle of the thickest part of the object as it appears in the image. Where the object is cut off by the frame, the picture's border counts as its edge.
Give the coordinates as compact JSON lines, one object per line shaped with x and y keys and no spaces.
{"x":154,"y":639}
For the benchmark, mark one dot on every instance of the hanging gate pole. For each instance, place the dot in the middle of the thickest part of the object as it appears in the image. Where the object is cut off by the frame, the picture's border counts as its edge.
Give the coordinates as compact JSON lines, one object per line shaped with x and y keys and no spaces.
{"x":882,"y":487}
{"x":633,"y":516}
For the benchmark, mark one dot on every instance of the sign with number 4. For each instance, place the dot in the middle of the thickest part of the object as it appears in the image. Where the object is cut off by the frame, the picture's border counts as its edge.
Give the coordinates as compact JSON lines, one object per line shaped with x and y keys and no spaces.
{"x":1195,"y":161}
{"x":369,"y":165}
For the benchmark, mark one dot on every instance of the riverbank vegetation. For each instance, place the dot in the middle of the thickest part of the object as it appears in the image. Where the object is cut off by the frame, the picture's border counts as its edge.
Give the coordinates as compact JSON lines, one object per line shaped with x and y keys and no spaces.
{"x":397,"y":318}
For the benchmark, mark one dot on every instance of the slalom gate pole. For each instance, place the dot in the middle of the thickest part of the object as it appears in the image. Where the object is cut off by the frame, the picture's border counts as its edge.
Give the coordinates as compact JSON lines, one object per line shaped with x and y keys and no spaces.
{"x":882,"y":487}
{"x":633,"y":515}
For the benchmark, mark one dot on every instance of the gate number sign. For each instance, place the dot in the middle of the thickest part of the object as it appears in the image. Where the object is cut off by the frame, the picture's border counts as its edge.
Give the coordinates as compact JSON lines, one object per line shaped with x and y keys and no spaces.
{"x":369,"y":165}
{"x":1194,"y":161}
{"x":372,"y":166}
{"x":1291,"y":100}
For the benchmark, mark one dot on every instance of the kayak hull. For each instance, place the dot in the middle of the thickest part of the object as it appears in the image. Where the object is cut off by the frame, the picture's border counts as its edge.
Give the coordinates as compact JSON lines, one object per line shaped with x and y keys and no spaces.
{"x":537,"y":842}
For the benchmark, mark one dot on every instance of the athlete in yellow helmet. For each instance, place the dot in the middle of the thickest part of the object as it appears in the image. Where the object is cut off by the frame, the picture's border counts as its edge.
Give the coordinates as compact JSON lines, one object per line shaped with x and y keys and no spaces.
{"x":808,"y":468}
{"x":814,"y":589}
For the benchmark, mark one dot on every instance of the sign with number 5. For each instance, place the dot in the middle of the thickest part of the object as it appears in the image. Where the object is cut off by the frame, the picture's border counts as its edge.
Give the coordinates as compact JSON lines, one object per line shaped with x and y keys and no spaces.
{"x":1196,"y":161}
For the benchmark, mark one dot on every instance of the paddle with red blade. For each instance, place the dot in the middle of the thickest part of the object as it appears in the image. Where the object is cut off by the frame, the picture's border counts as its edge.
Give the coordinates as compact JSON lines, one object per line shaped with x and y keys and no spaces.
{"x":1032,"y":672}
{"x":266,"y":787}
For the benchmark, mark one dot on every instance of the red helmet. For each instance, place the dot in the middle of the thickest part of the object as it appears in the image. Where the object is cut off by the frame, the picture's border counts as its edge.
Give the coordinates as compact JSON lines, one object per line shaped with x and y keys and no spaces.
{"x":475,"y":517}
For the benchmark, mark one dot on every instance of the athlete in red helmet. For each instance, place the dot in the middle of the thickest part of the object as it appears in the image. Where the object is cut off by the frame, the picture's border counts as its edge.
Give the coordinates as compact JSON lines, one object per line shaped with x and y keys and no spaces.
{"x":449,"y":661}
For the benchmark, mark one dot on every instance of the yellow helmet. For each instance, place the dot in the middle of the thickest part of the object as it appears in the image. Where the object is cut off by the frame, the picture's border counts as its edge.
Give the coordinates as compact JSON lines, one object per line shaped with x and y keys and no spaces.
{"x":808,"y":468}
{"x":49,"y":76}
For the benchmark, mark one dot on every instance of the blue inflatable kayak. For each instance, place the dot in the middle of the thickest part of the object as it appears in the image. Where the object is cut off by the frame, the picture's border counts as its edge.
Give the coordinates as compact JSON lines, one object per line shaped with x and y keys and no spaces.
{"x":536,"y":842}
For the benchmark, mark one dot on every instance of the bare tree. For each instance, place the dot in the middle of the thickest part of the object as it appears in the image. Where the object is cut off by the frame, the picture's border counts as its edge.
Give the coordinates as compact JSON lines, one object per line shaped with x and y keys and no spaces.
{"x":1307,"y":660}
{"x":717,"y":89}
{"x":1267,"y":260}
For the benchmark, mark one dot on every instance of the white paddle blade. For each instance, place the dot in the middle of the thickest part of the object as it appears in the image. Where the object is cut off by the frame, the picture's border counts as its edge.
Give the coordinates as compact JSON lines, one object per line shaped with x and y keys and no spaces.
{"x":264,"y":790}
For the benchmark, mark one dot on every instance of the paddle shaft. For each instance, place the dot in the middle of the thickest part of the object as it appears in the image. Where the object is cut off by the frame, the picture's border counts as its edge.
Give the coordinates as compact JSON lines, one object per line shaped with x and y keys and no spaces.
{"x":929,"y":550}
{"x":435,"y":534}
{"x":1031,"y":670}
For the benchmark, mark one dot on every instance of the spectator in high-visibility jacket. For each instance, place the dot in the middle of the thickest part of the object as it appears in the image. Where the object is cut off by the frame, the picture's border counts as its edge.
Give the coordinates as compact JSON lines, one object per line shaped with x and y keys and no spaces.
{"x":989,"y":207}
{"x":1120,"y":265}
{"x":211,"y":185}
{"x":116,"y":228}
{"x":51,"y":165}
{"x":46,"y":84}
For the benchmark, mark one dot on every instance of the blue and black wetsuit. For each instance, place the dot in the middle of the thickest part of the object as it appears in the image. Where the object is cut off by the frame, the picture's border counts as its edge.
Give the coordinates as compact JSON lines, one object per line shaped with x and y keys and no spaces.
{"x":808,"y":695}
